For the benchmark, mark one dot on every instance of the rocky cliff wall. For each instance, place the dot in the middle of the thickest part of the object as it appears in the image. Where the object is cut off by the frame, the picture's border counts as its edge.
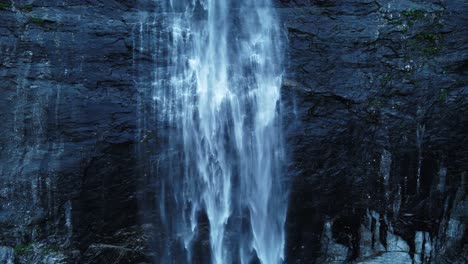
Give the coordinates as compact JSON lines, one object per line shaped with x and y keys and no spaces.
{"x":375,"y":95}
{"x":374,"y":105}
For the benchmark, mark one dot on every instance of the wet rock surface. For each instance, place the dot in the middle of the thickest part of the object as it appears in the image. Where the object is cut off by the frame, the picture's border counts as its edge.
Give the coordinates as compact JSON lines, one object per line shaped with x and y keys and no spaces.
{"x":374,"y":106}
{"x":374,"y":96}
{"x":67,"y":167}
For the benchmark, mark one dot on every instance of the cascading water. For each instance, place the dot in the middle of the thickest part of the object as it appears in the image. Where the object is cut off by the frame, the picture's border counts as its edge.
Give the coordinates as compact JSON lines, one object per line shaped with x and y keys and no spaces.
{"x":217,"y":100}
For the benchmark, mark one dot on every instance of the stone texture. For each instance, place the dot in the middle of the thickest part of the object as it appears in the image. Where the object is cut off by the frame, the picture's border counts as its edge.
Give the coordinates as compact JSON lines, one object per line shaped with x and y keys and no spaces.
{"x":374,"y":96}
{"x":374,"y":99}
{"x":68,"y":112}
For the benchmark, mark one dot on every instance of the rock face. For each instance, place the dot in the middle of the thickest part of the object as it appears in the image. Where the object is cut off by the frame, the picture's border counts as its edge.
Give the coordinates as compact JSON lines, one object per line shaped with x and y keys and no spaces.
{"x":374,"y":96}
{"x":374,"y":106}
{"x":67,"y":138}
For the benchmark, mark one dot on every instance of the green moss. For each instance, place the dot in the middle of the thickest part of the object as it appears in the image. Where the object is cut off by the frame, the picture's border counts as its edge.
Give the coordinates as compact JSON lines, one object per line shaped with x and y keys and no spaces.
{"x":4,"y":6}
{"x":429,"y":37}
{"x":27,"y":8}
{"x":376,"y":102}
{"x":23,"y":248}
{"x":386,"y":79}
{"x":40,"y":21}
{"x":430,"y":43}
{"x":51,"y":249}
{"x":426,"y":44}
{"x":47,"y":249}
{"x":414,"y":14}
{"x":412,"y":43}
{"x":443,"y":95}
{"x":430,"y":51}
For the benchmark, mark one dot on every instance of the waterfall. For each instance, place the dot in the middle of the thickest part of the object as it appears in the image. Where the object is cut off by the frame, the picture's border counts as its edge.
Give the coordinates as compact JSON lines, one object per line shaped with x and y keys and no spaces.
{"x":216,"y":99}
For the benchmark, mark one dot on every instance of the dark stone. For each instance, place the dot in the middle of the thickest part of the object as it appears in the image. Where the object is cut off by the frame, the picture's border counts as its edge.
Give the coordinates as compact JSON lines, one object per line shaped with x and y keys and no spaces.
{"x":375,"y":94}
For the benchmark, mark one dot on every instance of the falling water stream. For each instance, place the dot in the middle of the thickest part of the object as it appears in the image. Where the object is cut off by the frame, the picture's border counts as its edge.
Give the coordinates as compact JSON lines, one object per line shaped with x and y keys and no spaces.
{"x":217,"y":98}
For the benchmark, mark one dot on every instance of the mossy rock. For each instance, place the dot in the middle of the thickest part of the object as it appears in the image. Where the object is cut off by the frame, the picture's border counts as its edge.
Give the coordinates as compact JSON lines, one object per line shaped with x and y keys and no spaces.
{"x":23,"y":248}
{"x":429,"y":37}
{"x":376,"y":102}
{"x":443,"y":95}
{"x":426,"y":44}
{"x":414,"y":14}
{"x":5,"y":6}
{"x":26,"y":8}
{"x":386,"y":79}
{"x":51,"y":249}
{"x":40,"y":21}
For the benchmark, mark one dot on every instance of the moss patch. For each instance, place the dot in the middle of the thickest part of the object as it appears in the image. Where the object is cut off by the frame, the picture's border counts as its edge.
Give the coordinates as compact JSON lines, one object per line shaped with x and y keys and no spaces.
{"x":27,"y":8}
{"x":429,"y":43}
{"x":40,"y":21}
{"x":430,"y":51}
{"x":46,"y":249}
{"x":376,"y":102}
{"x":387,"y":78}
{"x":429,"y":37}
{"x":23,"y":248}
{"x":50,"y":249}
{"x":414,"y":14}
{"x":4,"y":6}
{"x":426,"y":44}
{"x":443,"y":95}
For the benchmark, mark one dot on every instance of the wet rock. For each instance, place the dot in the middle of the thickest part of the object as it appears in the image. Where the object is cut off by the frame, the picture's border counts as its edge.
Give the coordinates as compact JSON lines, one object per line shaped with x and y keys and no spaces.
{"x":7,"y":255}
{"x":372,"y":105}
{"x":374,"y":99}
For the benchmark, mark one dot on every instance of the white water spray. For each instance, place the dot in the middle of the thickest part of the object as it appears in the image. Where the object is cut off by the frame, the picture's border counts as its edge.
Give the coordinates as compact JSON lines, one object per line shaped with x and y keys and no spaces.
{"x":219,"y":102}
